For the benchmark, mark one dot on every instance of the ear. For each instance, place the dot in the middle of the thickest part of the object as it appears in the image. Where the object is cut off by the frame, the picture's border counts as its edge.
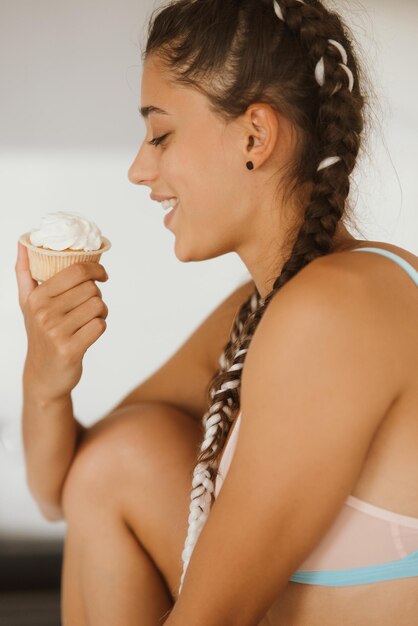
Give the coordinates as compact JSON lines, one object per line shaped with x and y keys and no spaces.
{"x":269,"y":132}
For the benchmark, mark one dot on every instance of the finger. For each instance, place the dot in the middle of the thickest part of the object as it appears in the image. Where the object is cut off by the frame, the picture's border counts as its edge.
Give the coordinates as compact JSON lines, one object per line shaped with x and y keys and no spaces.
{"x":66,"y":302}
{"x":26,"y":284}
{"x":89,"y":333}
{"x":72,"y":276}
{"x":83,"y":314}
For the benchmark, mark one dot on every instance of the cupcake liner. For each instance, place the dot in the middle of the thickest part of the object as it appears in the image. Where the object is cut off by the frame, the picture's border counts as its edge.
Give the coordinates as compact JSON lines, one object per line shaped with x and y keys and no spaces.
{"x":44,"y":263}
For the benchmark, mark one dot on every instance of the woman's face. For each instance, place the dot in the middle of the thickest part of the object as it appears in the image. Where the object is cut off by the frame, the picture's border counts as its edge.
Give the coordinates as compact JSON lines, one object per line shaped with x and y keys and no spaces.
{"x":201,"y":161}
{"x":224,"y":207}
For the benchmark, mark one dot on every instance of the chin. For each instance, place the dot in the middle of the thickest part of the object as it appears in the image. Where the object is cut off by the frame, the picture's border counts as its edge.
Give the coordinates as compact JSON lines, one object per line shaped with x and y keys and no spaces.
{"x":195,"y":253}
{"x":185,"y":256}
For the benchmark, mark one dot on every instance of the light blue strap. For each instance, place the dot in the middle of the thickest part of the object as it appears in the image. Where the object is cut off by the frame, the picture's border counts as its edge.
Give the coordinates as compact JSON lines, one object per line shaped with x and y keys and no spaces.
{"x":395,"y":257}
{"x":403,"y":568}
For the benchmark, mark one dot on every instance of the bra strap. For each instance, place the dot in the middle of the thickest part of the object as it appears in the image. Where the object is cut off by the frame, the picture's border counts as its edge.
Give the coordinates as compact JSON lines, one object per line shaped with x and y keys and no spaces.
{"x":409,"y":269}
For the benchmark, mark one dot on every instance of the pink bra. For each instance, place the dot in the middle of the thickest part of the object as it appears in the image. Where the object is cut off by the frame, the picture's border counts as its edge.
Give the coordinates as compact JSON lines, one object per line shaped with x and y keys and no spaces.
{"x":362,"y":537}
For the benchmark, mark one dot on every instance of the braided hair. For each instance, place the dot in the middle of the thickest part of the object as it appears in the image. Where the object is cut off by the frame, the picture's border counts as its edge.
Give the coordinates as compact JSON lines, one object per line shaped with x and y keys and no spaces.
{"x":297,"y":56}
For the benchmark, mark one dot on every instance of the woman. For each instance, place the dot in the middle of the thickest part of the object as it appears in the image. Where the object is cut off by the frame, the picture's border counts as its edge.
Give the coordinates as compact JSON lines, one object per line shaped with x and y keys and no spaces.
{"x":254,"y":113}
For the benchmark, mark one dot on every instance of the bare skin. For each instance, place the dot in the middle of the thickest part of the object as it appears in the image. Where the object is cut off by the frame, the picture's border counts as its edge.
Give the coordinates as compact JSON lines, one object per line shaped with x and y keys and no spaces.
{"x":127,"y":493}
{"x":128,"y":520}
{"x":126,"y":504}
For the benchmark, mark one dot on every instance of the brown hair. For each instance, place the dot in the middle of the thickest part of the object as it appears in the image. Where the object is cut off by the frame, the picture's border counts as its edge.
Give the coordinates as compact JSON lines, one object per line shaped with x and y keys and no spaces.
{"x":237,"y":52}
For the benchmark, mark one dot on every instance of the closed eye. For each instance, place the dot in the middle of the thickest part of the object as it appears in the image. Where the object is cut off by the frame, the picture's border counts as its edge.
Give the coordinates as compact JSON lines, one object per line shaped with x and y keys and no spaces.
{"x":158,"y":140}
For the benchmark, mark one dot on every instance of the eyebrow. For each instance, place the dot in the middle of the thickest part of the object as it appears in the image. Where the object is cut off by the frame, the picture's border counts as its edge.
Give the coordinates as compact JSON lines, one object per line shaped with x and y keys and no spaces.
{"x":145,"y":111}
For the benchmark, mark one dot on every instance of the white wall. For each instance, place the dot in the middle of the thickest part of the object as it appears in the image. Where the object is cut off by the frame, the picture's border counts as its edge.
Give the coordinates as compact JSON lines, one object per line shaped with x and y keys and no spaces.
{"x":69,"y":129}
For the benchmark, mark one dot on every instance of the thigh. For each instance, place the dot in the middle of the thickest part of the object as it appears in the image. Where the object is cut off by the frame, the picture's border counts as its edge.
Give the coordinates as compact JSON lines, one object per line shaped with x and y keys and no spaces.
{"x":139,"y":463}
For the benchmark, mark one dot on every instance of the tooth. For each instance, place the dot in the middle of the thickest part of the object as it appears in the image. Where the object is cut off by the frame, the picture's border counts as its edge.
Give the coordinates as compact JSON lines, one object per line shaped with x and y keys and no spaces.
{"x":166,"y":204}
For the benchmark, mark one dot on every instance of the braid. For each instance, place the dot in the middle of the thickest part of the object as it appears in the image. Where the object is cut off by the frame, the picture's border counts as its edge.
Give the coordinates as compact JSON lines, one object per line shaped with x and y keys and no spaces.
{"x":338,"y":129}
{"x":217,"y":422}
{"x":337,"y":137}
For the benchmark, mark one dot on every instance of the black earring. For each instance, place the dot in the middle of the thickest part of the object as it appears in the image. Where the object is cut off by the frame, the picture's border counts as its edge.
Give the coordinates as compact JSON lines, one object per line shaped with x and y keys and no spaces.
{"x":250,"y":165}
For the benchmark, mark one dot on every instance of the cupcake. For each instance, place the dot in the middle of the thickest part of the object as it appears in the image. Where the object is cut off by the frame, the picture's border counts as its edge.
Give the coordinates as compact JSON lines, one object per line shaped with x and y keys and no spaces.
{"x":62,"y":240}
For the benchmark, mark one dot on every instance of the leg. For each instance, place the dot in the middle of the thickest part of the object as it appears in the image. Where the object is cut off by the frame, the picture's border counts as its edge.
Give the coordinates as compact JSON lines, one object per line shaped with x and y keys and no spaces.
{"x":126,"y":502}
{"x":109,"y":579}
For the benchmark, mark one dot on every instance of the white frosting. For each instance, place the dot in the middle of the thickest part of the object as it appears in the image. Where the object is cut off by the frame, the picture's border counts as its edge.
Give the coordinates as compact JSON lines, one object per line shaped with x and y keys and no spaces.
{"x":61,"y":230}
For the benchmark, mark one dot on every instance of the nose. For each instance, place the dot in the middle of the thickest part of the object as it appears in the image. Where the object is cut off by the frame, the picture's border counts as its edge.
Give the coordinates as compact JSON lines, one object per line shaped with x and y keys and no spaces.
{"x":134,"y":170}
{"x":141,"y":170}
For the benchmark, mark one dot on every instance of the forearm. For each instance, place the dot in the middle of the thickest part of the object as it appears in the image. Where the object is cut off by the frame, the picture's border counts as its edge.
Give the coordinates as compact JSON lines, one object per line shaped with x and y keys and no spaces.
{"x":50,"y":439}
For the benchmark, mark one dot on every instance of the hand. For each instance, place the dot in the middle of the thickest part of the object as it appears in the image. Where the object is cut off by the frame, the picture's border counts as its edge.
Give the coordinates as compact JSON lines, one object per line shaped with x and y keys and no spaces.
{"x":63,"y":317}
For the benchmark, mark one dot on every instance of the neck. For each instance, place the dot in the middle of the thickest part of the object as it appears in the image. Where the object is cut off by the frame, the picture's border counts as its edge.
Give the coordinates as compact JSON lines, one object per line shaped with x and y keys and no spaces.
{"x":261,"y":270}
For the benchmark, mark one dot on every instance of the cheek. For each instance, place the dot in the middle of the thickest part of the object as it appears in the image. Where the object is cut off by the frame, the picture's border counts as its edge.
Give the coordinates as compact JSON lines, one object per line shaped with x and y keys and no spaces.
{"x":211,"y":220}
{"x":204,"y":178}
{"x":205,"y":157}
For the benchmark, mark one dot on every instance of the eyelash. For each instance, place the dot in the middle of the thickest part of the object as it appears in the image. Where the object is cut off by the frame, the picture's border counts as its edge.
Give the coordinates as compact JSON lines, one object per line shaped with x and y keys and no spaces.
{"x":157,"y":141}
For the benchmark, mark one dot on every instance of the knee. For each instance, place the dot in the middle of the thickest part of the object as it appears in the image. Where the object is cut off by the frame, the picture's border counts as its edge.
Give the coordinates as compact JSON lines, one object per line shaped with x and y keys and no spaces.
{"x":120,"y":451}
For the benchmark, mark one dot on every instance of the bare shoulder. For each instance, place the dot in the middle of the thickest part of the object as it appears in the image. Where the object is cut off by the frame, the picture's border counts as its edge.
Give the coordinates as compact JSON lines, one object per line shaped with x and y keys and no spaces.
{"x":381,"y":275}
{"x":345,"y":256}
{"x":376,"y":301}
{"x":386,"y":280}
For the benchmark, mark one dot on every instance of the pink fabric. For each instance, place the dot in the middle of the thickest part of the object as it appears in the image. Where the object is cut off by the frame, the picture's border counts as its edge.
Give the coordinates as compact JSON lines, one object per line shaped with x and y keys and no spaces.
{"x":361,"y":535}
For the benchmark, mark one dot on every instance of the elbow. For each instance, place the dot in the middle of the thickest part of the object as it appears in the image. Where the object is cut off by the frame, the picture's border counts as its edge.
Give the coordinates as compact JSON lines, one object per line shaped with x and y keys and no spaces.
{"x":49,"y":507}
{"x":51,"y":512}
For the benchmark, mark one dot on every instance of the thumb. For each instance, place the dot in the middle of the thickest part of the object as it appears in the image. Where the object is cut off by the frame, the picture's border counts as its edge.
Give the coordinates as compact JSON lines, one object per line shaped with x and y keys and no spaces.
{"x":26,"y":284}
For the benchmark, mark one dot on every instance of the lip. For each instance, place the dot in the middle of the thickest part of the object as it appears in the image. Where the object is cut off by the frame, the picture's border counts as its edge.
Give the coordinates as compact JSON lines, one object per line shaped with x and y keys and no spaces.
{"x":159,"y":198}
{"x":169,"y":216}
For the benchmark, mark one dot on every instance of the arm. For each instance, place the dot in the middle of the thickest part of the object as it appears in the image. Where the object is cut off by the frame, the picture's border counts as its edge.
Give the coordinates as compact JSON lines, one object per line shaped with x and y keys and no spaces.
{"x":312,"y":400}
{"x":52,"y":435}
